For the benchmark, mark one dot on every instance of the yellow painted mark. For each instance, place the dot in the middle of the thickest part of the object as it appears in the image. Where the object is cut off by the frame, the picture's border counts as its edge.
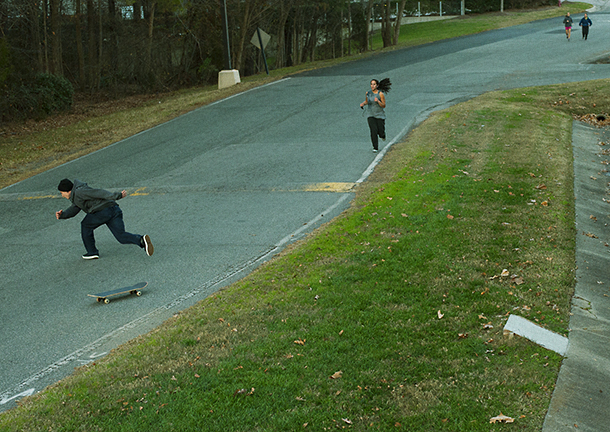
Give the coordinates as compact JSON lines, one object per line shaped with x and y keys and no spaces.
{"x":329,"y":187}
{"x":138,"y":192}
{"x":39,"y":197}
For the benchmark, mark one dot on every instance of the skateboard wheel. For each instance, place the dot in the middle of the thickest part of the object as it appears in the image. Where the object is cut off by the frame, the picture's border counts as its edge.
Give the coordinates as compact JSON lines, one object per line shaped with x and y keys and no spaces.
{"x":138,"y":293}
{"x":106,"y":300}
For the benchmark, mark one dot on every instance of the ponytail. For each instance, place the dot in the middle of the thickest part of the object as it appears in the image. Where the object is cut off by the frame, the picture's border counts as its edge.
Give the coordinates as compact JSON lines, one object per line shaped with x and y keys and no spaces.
{"x":385,"y":85}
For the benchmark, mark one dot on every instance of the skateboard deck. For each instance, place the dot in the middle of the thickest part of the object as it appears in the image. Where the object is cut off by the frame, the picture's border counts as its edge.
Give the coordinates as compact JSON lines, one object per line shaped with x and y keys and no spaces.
{"x":134,"y":289}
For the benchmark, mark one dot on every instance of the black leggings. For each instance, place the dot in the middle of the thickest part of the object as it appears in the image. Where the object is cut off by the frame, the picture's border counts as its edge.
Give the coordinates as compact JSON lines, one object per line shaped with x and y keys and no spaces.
{"x":585,"y":32}
{"x":377,"y":127}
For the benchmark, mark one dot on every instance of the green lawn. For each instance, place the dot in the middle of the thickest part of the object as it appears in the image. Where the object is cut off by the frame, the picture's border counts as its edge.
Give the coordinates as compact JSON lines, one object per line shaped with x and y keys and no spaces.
{"x":388,"y":318}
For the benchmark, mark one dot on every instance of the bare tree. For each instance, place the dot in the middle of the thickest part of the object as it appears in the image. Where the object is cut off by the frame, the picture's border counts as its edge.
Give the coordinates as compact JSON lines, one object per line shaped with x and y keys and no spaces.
{"x":56,"y":57}
{"x":401,"y":9}
{"x":79,"y":44}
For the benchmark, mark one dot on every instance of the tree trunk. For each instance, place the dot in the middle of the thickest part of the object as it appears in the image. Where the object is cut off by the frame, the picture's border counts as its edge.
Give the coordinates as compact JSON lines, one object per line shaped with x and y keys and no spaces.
{"x":34,"y":20}
{"x":113,"y":46}
{"x":241,"y":43}
{"x":91,"y":48}
{"x":100,"y":45}
{"x":151,"y":22}
{"x":401,"y":10}
{"x":79,"y":45}
{"x":386,"y":34}
{"x":285,"y":8}
{"x":369,"y":26}
{"x":349,"y":28}
{"x":56,"y":61}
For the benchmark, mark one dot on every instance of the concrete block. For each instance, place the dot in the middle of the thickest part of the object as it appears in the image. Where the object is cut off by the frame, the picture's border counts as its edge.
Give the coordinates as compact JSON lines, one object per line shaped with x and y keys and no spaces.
{"x":228,"y":78}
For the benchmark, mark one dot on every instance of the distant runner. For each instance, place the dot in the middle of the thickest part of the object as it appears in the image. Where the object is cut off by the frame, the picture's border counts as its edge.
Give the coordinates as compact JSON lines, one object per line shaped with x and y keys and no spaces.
{"x":585,"y":23}
{"x":567,"y":21}
{"x":102,"y":209}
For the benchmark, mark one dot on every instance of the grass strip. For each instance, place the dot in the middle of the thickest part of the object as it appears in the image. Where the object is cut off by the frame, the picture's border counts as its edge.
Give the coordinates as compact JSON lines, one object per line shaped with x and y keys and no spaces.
{"x":389,"y":317}
{"x":36,"y":146}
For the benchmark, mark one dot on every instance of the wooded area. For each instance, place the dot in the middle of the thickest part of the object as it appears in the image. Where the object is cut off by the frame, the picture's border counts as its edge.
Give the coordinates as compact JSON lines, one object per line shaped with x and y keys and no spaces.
{"x":127,"y":46}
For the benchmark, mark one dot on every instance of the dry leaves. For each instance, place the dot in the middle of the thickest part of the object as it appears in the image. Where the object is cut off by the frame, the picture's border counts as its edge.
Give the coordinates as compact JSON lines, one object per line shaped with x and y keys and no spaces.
{"x":501,"y":419}
{"x":243,"y":392}
{"x":440,"y":315}
{"x":336,"y":375}
{"x":517,"y":280}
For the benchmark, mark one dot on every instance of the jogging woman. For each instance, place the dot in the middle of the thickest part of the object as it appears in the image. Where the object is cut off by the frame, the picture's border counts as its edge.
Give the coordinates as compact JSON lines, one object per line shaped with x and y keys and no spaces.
{"x":375,"y":106}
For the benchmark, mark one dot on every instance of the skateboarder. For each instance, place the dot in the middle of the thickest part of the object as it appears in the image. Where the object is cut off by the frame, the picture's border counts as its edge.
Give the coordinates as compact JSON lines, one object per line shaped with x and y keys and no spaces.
{"x":102,"y":209}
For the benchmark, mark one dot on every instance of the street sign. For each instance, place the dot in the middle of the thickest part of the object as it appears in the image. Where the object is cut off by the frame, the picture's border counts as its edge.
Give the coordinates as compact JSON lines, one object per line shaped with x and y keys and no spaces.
{"x":264,"y":37}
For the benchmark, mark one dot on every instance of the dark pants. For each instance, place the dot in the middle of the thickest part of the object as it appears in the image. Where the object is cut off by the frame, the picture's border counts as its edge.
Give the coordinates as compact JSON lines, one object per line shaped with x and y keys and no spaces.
{"x":377,"y":127}
{"x":585,"y":32}
{"x":112,"y":217}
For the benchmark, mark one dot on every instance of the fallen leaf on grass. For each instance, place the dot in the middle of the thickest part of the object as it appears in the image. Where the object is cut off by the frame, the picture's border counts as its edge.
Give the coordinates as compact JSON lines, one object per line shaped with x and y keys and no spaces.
{"x":300,"y":341}
{"x":449,"y":217}
{"x":488,"y":326}
{"x":545,"y":203}
{"x":462,"y":335}
{"x":440,"y":315}
{"x":243,"y":392}
{"x":541,"y":186}
{"x":517,"y":280}
{"x":505,"y":273}
{"x":348,"y":421}
{"x":501,"y":419}
{"x":336,"y":375}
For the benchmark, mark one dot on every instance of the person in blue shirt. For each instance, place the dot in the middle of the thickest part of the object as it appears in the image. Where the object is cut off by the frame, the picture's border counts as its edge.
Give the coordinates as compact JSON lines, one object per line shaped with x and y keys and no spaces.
{"x":585,"y":23}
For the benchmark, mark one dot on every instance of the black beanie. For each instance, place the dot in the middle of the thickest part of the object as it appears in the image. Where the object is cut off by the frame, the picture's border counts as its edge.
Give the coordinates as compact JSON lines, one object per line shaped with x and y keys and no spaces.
{"x":65,"y":185}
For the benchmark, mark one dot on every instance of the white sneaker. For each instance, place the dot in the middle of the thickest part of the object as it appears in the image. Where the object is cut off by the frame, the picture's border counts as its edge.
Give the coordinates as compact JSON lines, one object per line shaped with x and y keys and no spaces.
{"x":150,"y":249}
{"x":90,"y":256}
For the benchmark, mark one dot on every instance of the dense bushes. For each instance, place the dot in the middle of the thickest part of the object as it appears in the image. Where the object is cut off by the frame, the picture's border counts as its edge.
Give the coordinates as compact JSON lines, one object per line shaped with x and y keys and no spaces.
{"x":46,"y":94}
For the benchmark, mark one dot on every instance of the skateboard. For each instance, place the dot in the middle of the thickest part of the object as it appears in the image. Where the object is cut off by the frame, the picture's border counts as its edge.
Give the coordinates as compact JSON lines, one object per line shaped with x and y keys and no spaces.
{"x":134,"y":289}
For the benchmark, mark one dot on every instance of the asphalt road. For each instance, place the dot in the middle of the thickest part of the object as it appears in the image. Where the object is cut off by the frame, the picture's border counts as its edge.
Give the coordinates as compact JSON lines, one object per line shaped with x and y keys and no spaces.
{"x":225,"y":187}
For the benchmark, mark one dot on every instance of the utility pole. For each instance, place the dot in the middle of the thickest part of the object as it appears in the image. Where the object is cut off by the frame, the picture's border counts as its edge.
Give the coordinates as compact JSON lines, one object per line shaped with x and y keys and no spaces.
{"x":229,"y":76}
{"x":226,"y":49}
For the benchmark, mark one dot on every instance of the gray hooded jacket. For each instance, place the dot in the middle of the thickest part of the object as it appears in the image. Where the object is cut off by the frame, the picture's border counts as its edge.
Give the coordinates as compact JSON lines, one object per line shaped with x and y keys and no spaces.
{"x":89,"y":200}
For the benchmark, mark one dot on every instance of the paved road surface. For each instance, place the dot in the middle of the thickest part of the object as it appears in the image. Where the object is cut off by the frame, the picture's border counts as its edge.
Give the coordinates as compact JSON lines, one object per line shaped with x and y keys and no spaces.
{"x":225,"y":187}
